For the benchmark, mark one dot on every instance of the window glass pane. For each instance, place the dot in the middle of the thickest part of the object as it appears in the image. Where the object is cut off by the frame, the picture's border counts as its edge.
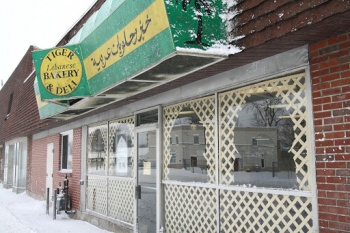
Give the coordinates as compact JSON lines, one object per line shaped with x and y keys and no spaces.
{"x":192,"y":157}
{"x":22,"y":164}
{"x":97,"y":150}
{"x":196,"y":139}
{"x":173,"y":158}
{"x":67,"y":150}
{"x":9,"y":164}
{"x":121,"y":148}
{"x":64,"y":151}
{"x":147,"y":117}
{"x":263,"y":135}
{"x":10,"y":104}
{"x":70,"y":151}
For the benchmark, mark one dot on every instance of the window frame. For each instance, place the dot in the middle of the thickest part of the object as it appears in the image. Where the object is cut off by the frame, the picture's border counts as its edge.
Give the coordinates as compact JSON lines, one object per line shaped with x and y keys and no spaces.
{"x":196,"y":139}
{"x":9,"y":107}
{"x":68,"y":152}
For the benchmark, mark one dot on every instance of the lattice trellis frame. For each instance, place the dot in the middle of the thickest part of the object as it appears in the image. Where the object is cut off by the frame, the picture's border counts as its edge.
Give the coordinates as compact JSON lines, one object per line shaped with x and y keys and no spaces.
{"x":97,"y":194}
{"x":113,"y":127}
{"x":291,"y":90}
{"x":205,"y":110}
{"x":263,"y":212}
{"x":190,"y":209}
{"x":109,"y":195}
{"x":121,"y":198}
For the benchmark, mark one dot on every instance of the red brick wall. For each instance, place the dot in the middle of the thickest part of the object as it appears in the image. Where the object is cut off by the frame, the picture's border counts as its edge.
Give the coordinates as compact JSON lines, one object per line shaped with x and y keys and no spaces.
{"x":260,"y":21}
{"x":330,"y":72}
{"x":37,"y":183}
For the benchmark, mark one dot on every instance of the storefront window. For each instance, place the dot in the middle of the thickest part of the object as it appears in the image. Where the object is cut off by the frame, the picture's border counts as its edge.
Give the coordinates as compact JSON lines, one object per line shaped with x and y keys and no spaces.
{"x":97,"y":148}
{"x":192,"y":157}
{"x":121,"y":149}
{"x":15,"y":167}
{"x":111,"y":183}
{"x":263,"y":135}
{"x":110,"y":148}
{"x":22,"y":164}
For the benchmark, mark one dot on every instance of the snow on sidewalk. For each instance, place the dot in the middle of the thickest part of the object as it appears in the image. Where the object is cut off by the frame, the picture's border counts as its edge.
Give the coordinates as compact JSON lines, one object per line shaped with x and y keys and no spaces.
{"x":21,"y":213}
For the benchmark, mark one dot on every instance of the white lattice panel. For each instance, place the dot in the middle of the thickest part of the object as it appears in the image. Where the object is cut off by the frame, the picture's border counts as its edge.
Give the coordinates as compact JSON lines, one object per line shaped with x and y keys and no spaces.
{"x":291,"y":92}
{"x":97,"y":194}
{"x":262,"y":212}
{"x":205,"y":110}
{"x":121,"y":198}
{"x":190,"y":209}
{"x":109,"y":195}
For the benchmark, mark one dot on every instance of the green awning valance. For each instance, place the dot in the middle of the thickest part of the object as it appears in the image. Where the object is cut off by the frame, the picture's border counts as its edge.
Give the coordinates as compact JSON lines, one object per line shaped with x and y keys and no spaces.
{"x":128,"y":47}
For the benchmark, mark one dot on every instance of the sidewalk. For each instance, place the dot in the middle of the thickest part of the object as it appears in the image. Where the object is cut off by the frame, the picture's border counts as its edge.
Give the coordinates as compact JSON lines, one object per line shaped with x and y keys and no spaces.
{"x":21,"y":213}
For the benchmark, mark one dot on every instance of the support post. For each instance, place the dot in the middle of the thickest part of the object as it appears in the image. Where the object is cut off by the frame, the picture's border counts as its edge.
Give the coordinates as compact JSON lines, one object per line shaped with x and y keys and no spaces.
{"x":47,"y":200}
{"x":54,"y":204}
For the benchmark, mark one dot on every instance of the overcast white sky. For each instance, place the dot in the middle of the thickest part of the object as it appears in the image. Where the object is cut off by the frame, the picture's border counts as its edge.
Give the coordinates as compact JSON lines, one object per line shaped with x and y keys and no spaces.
{"x":34,"y":22}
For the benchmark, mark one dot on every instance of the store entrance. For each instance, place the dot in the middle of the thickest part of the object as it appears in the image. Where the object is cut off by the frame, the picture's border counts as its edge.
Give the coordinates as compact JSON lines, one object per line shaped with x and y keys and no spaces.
{"x":147,"y":181}
{"x":147,"y":171}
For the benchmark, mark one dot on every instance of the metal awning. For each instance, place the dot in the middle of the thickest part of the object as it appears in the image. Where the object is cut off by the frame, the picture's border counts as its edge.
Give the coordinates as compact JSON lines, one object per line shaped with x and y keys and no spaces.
{"x":124,"y":49}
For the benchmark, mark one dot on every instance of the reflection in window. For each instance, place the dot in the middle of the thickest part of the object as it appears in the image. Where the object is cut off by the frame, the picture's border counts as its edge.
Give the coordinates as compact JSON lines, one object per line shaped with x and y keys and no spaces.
{"x":22,"y":164}
{"x":97,"y":150}
{"x":66,"y":150}
{"x":120,"y":160}
{"x":263,"y":135}
{"x":192,"y":157}
{"x":110,"y":148}
{"x":196,"y":139}
{"x":173,"y":158}
{"x":147,"y":150}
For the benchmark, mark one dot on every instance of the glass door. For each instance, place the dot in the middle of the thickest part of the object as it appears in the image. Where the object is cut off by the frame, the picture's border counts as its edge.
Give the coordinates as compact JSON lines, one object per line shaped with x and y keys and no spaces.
{"x":146,"y":190}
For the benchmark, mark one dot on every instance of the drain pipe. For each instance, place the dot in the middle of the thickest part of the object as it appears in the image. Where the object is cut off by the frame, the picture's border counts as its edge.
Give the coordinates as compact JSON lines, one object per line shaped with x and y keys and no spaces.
{"x":54,"y":204}
{"x":47,"y":200}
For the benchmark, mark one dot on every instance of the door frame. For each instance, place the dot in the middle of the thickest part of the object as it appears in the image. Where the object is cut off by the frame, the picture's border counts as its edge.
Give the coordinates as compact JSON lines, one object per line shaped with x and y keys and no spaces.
{"x":49,"y":153}
{"x":159,"y":194}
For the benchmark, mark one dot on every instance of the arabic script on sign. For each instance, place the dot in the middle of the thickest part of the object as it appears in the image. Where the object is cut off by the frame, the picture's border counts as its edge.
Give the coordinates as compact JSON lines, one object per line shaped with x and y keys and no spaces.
{"x":121,"y":41}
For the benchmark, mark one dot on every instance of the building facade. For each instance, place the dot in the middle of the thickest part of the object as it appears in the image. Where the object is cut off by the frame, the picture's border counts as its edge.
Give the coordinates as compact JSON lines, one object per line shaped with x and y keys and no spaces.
{"x":253,"y":142}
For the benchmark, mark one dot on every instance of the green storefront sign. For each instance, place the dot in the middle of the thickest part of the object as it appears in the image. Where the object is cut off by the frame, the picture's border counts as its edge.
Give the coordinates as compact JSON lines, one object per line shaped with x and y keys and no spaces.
{"x":60,"y":73}
{"x":129,"y":39}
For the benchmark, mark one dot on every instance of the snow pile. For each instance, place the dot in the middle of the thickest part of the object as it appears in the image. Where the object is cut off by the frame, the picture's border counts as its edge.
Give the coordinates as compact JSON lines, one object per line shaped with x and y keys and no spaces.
{"x":215,"y":50}
{"x":21,"y":213}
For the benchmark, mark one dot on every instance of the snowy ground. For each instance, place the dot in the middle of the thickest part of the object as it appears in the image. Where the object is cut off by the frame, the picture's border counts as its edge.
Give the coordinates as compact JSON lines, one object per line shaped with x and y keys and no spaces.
{"x":21,"y":213}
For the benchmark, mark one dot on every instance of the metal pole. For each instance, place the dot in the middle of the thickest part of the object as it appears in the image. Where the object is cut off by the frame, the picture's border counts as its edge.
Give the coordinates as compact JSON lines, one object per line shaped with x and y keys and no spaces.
{"x":47,"y":200}
{"x":54,"y":204}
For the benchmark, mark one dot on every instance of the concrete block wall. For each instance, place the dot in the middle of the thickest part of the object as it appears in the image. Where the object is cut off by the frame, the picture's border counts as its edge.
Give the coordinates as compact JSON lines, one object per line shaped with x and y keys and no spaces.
{"x":330,"y":73}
